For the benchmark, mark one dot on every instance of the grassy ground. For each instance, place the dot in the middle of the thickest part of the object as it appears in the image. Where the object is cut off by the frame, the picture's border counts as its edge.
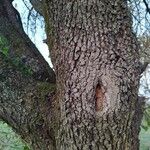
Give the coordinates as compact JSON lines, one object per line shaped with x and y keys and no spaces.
{"x":145,"y":139}
{"x":9,"y":140}
{"x":145,"y":134}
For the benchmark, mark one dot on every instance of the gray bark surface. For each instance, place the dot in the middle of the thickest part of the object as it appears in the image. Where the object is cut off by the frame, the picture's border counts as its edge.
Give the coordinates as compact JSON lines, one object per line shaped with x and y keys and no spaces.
{"x":96,"y":61}
{"x":24,"y":102}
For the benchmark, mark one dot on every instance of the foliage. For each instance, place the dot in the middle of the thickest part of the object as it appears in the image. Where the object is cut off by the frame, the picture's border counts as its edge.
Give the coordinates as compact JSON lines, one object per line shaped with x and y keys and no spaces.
{"x":144,"y":41}
{"x":145,"y":131}
{"x":9,"y":140}
{"x":146,"y":118}
{"x":144,"y":139}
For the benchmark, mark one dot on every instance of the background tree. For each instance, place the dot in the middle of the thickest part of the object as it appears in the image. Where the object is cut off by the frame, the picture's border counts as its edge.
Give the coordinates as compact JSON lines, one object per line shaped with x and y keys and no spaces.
{"x":93,"y":104}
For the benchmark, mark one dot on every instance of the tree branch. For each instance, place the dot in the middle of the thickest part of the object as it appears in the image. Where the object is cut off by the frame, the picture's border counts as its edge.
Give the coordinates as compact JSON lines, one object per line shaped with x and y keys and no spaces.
{"x":37,"y":5}
{"x":147,"y":7}
{"x":143,"y":67}
{"x":21,"y":45}
{"x":24,"y":98}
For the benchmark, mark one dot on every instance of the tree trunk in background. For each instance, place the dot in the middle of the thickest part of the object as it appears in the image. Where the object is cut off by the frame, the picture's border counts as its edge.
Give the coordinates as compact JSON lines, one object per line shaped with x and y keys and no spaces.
{"x":96,"y":60}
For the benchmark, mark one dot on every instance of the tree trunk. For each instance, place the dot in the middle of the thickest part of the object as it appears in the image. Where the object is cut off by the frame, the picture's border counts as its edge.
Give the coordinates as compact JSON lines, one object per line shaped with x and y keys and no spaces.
{"x":96,"y":60}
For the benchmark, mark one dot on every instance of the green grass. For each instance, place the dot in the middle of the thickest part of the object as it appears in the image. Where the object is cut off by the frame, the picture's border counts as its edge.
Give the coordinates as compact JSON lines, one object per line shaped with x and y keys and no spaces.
{"x":145,"y":139}
{"x":145,"y":135}
{"x":9,"y":140}
{"x":145,"y":131}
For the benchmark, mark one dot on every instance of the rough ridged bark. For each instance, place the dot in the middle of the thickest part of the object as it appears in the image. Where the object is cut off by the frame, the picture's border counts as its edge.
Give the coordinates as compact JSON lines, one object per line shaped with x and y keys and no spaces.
{"x":24,"y":102}
{"x":95,"y":56}
{"x":96,"y":61}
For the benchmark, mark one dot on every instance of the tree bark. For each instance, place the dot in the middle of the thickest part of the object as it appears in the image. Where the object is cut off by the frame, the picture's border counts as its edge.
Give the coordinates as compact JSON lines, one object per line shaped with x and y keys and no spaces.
{"x":25,"y":99}
{"x":96,"y":60}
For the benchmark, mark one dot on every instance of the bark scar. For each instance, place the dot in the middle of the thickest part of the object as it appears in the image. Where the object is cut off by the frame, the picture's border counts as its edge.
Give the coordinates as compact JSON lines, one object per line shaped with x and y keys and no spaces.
{"x":100,"y":98}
